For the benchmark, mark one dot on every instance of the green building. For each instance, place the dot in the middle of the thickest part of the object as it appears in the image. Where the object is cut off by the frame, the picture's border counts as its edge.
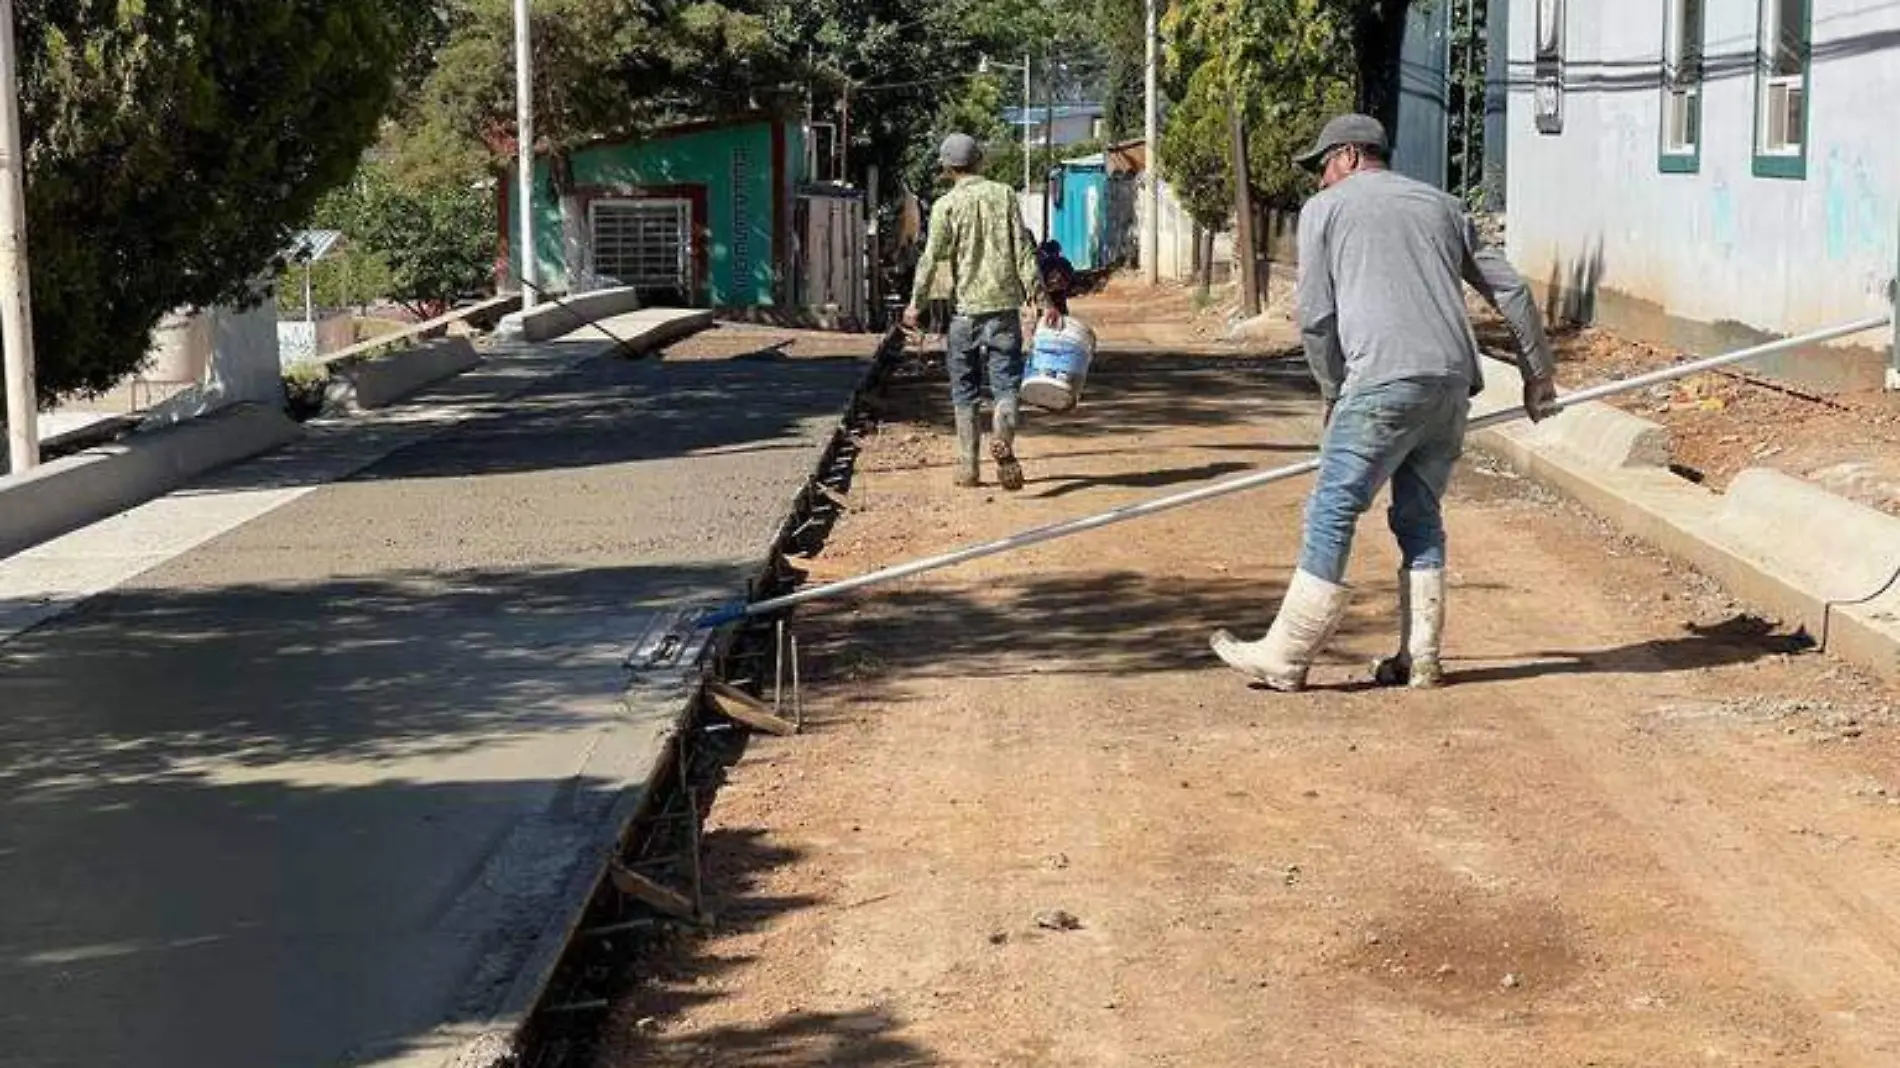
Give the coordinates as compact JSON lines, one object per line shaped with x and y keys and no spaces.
{"x":704,"y":215}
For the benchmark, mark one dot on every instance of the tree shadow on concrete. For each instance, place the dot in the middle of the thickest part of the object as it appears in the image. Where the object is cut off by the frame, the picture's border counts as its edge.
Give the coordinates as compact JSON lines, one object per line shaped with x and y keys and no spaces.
{"x":216,"y":921}
{"x":138,"y":682}
{"x":608,"y":412}
{"x":286,"y":823}
{"x":552,"y":408}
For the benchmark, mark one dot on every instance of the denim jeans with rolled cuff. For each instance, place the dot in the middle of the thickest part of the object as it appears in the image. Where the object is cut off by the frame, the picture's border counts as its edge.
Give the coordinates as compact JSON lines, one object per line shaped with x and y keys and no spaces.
{"x":976,"y":342}
{"x":1408,"y":432}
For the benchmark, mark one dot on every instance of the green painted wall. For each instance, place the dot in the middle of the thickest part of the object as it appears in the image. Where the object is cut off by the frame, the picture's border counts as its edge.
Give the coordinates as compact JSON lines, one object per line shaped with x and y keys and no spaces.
{"x":734,"y":163}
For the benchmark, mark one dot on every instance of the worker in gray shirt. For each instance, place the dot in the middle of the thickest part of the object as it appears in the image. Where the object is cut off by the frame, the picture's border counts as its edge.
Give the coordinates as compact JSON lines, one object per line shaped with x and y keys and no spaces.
{"x":1383,"y":260}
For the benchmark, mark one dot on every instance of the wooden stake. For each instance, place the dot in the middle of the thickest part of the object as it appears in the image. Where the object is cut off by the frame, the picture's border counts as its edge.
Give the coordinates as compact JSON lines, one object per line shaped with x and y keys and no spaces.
{"x":738,"y":705}
{"x":652,"y":894}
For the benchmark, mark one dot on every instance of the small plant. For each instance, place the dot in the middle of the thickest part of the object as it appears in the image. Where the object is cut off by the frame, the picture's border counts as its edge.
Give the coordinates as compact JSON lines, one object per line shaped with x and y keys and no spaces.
{"x":304,"y":387}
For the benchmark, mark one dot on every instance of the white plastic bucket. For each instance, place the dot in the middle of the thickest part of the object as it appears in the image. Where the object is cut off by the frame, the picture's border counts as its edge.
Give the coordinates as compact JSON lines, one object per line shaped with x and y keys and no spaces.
{"x":1059,"y":365}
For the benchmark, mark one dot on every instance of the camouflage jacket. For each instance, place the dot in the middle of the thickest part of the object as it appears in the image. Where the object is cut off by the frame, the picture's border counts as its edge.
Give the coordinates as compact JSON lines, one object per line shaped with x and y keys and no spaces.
{"x":978,"y":239}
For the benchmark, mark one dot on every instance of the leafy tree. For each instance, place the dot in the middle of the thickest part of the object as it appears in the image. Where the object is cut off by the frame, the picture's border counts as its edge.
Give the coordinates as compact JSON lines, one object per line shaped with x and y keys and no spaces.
{"x":906,"y":69}
{"x":352,"y":276}
{"x":1284,"y":63}
{"x":603,"y":68}
{"x":172,"y":145}
{"x":1122,"y":28}
{"x":1196,"y":149}
{"x":435,"y":240}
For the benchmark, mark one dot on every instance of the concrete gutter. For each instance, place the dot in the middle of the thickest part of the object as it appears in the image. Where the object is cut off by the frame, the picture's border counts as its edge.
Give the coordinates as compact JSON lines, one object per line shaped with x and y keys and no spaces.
{"x":1790,"y":548}
{"x":66,"y":494}
{"x":660,"y":706}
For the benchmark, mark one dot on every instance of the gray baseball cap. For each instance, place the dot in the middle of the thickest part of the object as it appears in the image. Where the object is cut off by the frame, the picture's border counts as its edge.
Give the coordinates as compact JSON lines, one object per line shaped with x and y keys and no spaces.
{"x":1347,"y":129}
{"x":960,"y":151}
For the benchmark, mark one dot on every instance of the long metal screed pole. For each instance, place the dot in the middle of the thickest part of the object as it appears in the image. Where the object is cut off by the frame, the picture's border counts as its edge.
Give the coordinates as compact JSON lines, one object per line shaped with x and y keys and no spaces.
{"x":734,"y":613}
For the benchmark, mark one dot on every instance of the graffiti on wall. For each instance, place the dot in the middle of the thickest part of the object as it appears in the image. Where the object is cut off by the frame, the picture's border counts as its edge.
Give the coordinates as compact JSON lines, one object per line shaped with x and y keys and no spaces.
{"x":1856,"y":225}
{"x":741,"y":222}
{"x":1722,"y":219}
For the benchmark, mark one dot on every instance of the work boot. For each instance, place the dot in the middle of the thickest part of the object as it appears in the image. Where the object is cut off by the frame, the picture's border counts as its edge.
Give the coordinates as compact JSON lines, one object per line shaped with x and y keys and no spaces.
{"x":1421,"y":633}
{"x":1003,"y":450}
{"x":1309,"y":614}
{"x":969,"y":448}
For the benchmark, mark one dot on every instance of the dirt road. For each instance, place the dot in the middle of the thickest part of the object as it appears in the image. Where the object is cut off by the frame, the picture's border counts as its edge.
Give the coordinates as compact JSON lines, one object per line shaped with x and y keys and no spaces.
{"x":1639,"y":829}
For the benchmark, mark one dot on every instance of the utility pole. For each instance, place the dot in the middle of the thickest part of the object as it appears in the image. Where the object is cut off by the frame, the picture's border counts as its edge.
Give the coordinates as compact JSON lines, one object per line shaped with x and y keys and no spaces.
{"x":524,"y":137}
{"x":1028,"y":149}
{"x":844,"y":137}
{"x":1467,"y":36}
{"x":1151,"y":218}
{"x":1243,"y":216}
{"x":1048,"y":141}
{"x":16,"y":291}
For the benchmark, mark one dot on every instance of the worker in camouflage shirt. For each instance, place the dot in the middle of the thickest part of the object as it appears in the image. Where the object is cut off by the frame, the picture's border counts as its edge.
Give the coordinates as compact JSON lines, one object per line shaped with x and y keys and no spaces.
{"x":977,"y":236}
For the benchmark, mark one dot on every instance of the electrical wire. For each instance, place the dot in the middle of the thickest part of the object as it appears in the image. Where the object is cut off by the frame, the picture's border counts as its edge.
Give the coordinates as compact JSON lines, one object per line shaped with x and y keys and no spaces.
{"x":1828,"y":607}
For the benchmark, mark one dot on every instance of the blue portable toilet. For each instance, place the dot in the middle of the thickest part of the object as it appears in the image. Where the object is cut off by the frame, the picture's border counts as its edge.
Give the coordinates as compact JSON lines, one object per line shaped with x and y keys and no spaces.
{"x":1079,"y":192}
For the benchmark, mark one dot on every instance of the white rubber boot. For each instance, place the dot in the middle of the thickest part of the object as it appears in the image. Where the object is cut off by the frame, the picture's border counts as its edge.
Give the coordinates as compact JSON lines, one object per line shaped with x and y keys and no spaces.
{"x":1421,"y":633}
{"x":1308,"y":616}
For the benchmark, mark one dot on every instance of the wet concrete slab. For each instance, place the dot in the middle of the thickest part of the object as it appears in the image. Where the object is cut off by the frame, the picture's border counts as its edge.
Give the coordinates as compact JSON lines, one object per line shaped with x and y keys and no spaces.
{"x":306,"y":794}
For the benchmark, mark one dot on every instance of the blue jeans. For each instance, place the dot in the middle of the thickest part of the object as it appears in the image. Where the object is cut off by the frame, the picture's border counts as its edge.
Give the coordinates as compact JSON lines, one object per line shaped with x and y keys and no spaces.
{"x":973,"y":341}
{"x":1409,"y":433}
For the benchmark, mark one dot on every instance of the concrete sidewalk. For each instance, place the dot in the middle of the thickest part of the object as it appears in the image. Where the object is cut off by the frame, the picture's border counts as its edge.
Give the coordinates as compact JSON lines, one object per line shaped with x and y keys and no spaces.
{"x":1806,"y":557}
{"x":308,"y":792}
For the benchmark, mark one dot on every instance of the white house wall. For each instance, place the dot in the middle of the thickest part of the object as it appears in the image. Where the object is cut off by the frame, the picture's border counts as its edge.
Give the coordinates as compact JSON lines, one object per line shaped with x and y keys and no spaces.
{"x":1720,"y":253}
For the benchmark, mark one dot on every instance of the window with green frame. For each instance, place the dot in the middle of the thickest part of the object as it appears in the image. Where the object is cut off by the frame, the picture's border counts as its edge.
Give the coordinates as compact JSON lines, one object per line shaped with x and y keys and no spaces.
{"x":1680,"y":150}
{"x":1781,"y":88}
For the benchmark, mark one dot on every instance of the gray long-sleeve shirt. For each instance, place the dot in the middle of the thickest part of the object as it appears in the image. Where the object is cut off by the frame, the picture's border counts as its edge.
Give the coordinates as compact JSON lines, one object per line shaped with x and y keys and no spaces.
{"x":1381,"y":261}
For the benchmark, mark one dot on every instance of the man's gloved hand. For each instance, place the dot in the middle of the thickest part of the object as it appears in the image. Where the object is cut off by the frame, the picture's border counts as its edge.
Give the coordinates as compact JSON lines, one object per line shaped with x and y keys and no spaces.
{"x":1540,"y":398}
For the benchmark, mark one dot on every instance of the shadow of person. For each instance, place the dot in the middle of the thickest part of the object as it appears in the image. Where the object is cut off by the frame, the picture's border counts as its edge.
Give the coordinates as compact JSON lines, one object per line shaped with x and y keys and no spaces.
{"x":1740,"y":639}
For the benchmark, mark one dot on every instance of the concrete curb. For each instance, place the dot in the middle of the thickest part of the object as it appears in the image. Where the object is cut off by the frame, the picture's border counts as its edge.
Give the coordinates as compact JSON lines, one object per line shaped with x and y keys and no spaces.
{"x":379,"y":382}
{"x":639,"y":333}
{"x":549,"y":320}
{"x":1810,"y":558}
{"x":1602,"y":436}
{"x":67,"y":494}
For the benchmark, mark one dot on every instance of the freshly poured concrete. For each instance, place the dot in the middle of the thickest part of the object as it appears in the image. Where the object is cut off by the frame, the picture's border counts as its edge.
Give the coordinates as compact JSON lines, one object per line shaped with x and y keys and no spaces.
{"x":308,"y":793}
